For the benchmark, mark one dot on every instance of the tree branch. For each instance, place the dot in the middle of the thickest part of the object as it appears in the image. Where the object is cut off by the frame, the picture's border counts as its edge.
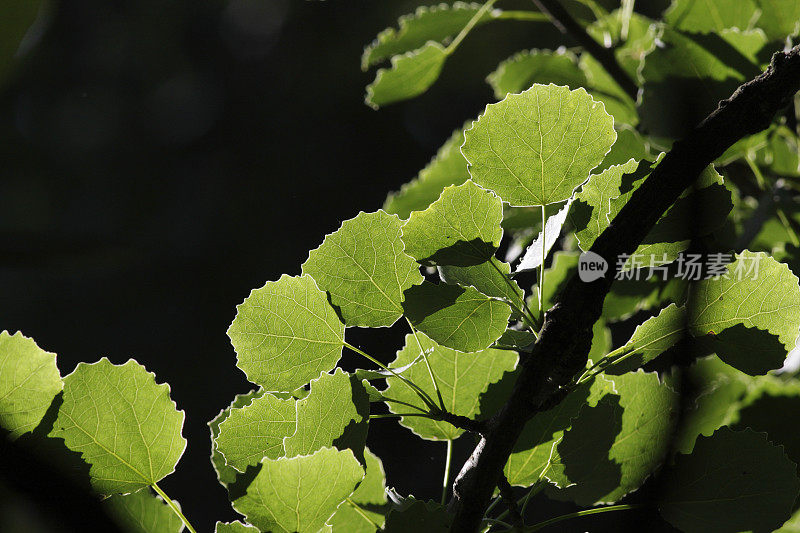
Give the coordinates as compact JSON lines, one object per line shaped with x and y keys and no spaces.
{"x":562,"y":20}
{"x":463,"y":422}
{"x":507,"y":494}
{"x":564,"y":341}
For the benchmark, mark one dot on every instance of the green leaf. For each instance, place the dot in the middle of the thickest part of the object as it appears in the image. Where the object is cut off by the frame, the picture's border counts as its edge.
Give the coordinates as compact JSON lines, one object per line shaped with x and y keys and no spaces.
{"x":234,"y":527}
{"x":770,"y":302}
{"x":411,"y":75}
{"x":286,"y":333}
{"x":534,"y":452}
{"x":30,"y":381}
{"x":677,"y":226}
{"x":255,"y":429}
{"x":448,"y":167}
{"x":629,"y":145}
{"x":719,"y":392}
{"x":142,"y":512}
{"x":589,"y":214}
{"x":693,"y":72}
{"x":436,"y":23}
{"x":491,"y":278}
{"x":370,"y":497}
{"x":462,"y":378}
{"x":683,"y":221}
{"x":227,"y":474}
{"x":124,"y":425}
{"x":629,"y":296}
{"x":779,"y":18}
{"x":650,"y":339}
{"x":732,"y":481}
{"x":363,"y":267}
{"x":514,"y":339}
{"x":605,"y":89}
{"x":286,"y":494}
{"x":537,"y":147}
{"x":612,"y":448}
{"x":541,"y":245}
{"x":418,"y":515}
{"x":770,"y":402}
{"x":629,"y":49}
{"x":523,"y":69}
{"x":461,"y":228}
{"x":711,"y":16}
{"x":460,"y":318}
{"x":562,"y":268}
{"x":335,"y":413}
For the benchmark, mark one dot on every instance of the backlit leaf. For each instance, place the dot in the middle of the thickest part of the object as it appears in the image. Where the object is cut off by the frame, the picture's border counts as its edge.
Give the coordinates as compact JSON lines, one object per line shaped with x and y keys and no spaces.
{"x":286,"y":333}
{"x":335,"y":413}
{"x":535,"y":451}
{"x":490,"y":278}
{"x":732,"y":481}
{"x":227,"y":474}
{"x":448,"y":167}
{"x":540,"y":247}
{"x":523,"y":69}
{"x":370,"y":497}
{"x":142,"y":512}
{"x":124,"y":424}
{"x":461,"y":228}
{"x":711,"y":16}
{"x":456,"y":317}
{"x":462,"y":378}
{"x":650,"y":339}
{"x":537,"y":147}
{"x":29,"y":380}
{"x":428,"y":23}
{"x":255,"y":430}
{"x":300,"y":494}
{"x":410,"y":75}
{"x":769,"y":302}
{"x":363,"y":267}
{"x":613,"y":447}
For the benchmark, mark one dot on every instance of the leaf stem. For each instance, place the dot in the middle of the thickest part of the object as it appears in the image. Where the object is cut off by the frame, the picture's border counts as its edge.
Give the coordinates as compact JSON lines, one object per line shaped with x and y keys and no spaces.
{"x":423,"y":396}
{"x":400,"y":415}
{"x":541,"y":267}
{"x":174,"y":507}
{"x":627,"y":13}
{"x":363,"y":514}
{"x":532,"y":16}
{"x":428,"y":364}
{"x":586,"y":512}
{"x":525,"y":312}
{"x":471,"y":24}
{"x":386,"y":399}
{"x":447,"y":461}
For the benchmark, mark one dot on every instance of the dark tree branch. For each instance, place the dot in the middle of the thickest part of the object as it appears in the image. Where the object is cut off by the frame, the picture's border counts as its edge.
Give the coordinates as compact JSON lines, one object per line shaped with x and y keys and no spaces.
{"x":562,"y":20}
{"x":564,"y":341}
{"x":463,"y":422}
{"x":507,"y":494}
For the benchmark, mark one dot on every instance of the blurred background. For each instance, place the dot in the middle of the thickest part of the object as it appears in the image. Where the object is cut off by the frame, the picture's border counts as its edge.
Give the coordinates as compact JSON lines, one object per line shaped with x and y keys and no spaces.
{"x":160,"y":159}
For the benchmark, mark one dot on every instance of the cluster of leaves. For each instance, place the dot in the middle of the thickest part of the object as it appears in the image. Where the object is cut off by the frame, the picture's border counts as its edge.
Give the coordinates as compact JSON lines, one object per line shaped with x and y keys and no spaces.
{"x":539,"y":175}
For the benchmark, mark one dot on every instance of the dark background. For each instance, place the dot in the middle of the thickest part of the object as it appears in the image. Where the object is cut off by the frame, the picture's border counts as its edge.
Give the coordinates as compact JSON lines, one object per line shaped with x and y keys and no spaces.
{"x":160,"y":159}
